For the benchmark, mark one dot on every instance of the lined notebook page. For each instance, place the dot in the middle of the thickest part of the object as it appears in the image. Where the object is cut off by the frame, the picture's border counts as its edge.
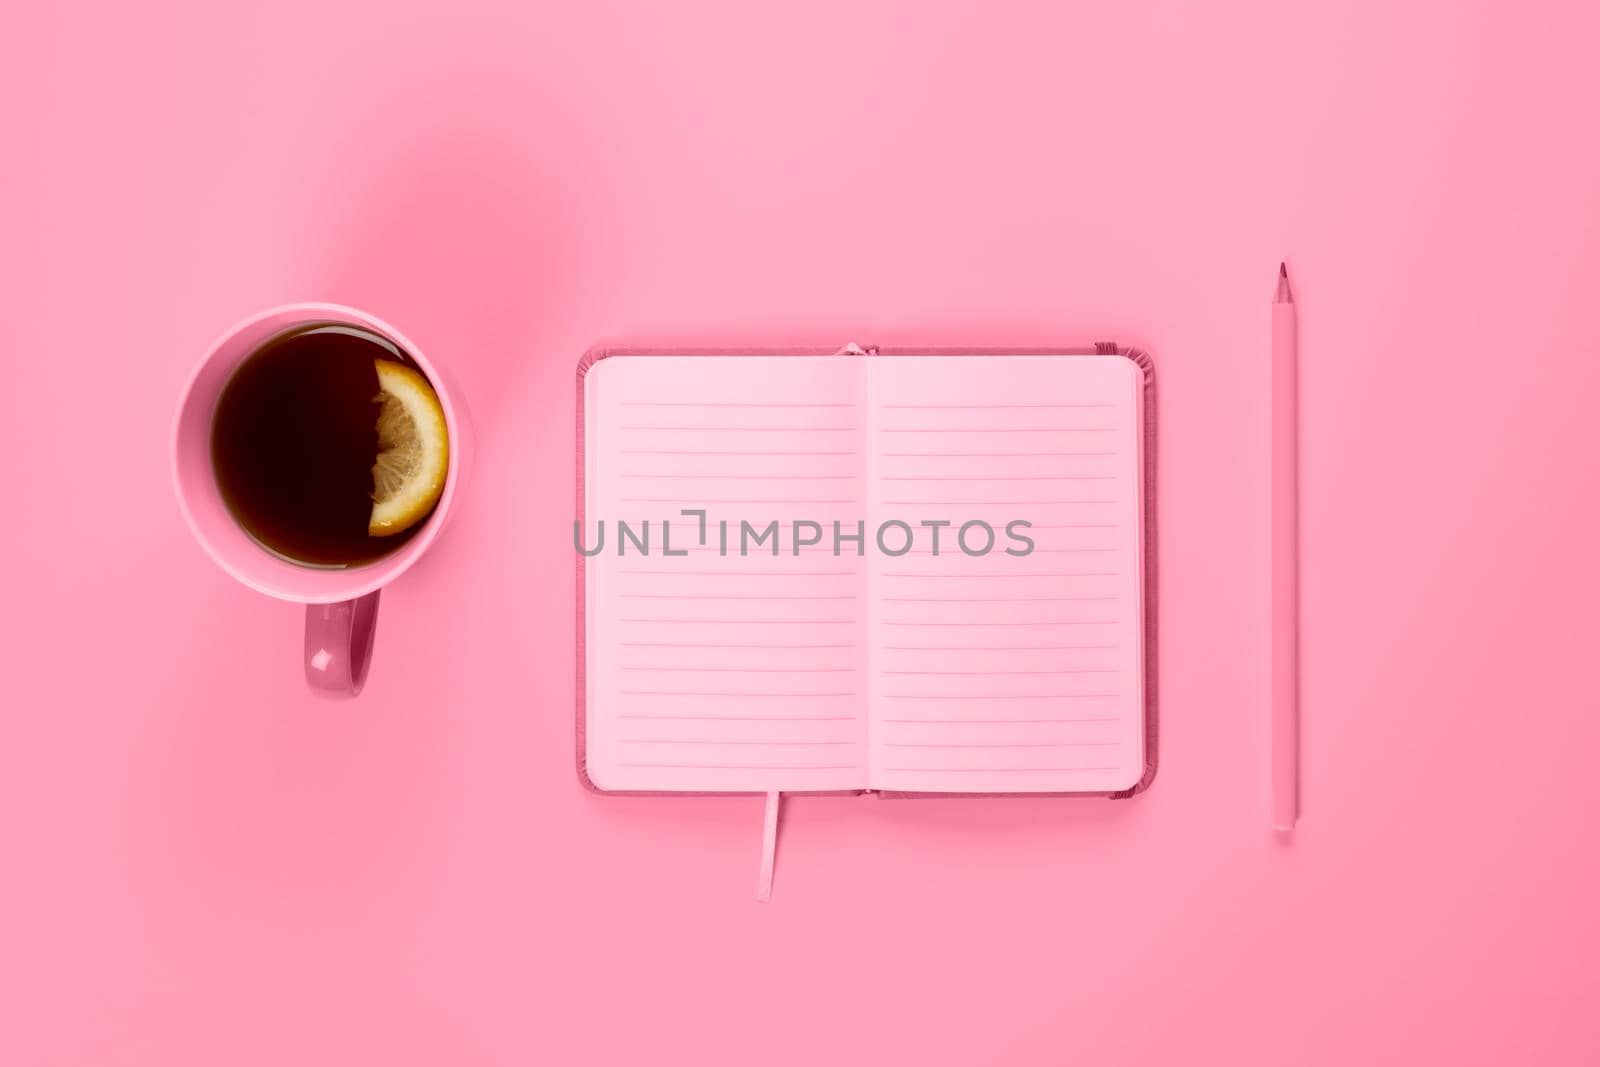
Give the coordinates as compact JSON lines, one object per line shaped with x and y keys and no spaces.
{"x":712,"y":672}
{"x":1003,"y":674}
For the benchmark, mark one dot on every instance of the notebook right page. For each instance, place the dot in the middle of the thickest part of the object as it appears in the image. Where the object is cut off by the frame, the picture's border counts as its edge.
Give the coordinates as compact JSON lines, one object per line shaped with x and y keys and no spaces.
{"x":1012,"y":665}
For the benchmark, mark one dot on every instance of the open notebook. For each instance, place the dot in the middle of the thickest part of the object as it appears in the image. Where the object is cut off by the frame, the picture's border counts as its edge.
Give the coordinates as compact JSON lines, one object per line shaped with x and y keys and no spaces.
{"x":1011,"y":663}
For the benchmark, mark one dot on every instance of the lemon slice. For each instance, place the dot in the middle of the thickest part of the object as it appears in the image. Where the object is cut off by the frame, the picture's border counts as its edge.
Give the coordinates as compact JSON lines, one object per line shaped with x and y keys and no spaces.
{"x":413,"y":450}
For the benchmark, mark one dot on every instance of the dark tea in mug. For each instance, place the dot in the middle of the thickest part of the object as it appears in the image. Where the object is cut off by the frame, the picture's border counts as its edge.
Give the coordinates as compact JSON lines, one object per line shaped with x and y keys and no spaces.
{"x":329,"y":445}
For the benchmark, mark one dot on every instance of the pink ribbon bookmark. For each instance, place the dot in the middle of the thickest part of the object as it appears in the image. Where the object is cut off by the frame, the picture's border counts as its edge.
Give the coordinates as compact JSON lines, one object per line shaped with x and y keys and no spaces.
{"x":769,"y":849}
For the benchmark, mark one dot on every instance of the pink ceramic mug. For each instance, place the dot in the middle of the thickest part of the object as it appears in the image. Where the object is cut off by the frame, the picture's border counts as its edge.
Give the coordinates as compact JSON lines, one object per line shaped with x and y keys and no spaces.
{"x":342,"y":604}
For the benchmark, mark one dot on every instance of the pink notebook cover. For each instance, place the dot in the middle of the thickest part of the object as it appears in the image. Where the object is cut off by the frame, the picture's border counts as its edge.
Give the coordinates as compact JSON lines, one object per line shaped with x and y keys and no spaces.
{"x":779,"y":433}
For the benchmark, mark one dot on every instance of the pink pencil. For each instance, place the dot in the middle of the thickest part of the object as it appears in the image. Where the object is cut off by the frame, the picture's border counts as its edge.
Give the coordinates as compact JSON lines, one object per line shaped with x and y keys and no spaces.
{"x":1285,"y":669}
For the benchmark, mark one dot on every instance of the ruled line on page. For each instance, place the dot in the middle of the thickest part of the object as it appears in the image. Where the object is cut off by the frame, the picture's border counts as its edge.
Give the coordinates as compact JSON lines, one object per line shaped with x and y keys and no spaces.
{"x":990,"y":455}
{"x":744,"y":718}
{"x":939,"y":407}
{"x":755,"y":622}
{"x":995,"y":744}
{"x":758,"y":552}
{"x":726,"y":693}
{"x":726,"y":452}
{"x":727,"y":404}
{"x":990,"y":770}
{"x":974,"y":503}
{"x":817,"y":552}
{"x":726,"y":500}
{"x":996,"y":722}
{"x":1063,"y":622}
{"x":1002,"y":574}
{"x":733,"y":573}
{"x":746,"y":766}
{"x":980,"y":429}
{"x":751,"y":477}
{"x":703,"y":741}
{"x":750,"y":670}
{"x":1060,"y":550}
{"x":737,"y":596}
{"x":719,"y":644}
{"x":755,"y":526}
{"x":995,"y":648}
{"x":990,"y":599}
{"x":983,"y":478}
{"x":1005,"y":563}
{"x":750,"y":429}
{"x":987,"y":674}
{"x":955,"y":553}
{"x":997,"y":696}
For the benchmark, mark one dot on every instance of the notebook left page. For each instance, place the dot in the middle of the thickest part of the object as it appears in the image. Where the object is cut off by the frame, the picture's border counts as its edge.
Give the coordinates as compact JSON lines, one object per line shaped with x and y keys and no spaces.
{"x":713,"y":662}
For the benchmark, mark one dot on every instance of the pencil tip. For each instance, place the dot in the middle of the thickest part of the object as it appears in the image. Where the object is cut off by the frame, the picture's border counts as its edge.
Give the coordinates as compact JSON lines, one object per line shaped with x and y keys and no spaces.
{"x":1283,"y":294}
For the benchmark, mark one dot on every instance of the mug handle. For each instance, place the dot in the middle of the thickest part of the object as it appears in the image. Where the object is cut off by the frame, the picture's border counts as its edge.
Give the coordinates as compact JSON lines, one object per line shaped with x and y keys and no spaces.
{"x":339,"y":644}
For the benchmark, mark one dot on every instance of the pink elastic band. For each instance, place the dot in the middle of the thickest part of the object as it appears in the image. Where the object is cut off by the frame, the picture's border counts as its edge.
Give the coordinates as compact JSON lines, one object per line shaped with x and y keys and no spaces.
{"x":769,"y":849}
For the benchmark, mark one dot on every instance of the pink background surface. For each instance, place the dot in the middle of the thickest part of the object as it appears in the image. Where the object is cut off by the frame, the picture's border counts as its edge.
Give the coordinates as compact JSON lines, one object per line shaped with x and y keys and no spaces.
{"x":203,"y":865}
